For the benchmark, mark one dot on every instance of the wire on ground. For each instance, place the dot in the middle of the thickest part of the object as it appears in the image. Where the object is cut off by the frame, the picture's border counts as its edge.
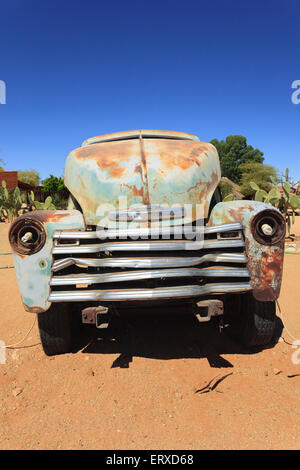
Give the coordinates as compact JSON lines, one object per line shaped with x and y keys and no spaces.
{"x":15,"y":345}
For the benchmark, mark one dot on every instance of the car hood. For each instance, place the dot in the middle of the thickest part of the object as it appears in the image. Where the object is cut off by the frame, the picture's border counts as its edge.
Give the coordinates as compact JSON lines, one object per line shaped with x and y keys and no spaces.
{"x":151,"y":172}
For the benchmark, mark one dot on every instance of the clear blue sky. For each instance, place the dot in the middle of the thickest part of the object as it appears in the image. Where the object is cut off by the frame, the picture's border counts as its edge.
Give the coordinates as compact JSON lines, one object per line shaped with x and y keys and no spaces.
{"x":76,"y":69}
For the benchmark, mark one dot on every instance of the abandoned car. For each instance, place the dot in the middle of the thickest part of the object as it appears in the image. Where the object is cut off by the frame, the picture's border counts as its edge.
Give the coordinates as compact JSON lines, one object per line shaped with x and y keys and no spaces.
{"x":146,"y":226}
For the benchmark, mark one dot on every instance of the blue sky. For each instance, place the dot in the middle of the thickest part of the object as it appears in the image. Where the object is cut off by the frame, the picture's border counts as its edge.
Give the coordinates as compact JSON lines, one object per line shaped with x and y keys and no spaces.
{"x":76,"y":69}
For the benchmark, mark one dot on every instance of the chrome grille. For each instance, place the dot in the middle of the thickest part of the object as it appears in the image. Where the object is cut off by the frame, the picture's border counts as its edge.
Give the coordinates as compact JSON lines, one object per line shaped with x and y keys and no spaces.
{"x":143,"y":269}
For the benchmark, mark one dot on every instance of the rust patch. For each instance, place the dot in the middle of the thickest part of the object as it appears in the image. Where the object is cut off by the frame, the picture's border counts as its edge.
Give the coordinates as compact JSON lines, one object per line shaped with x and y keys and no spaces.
{"x":117,"y":172}
{"x":144,"y":174}
{"x":82,"y":182}
{"x":33,"y":309}
{"x":55,"y":217}
{"x":182,"y":156}
{"x":197,"y":186}
{"x":138,"y":169}
{"x":135,"y":191}
{"x":214,"y":180}
{"x":108,"y":155}
{"x":178,"y":161}
{"x":43,"y":216}
{"x":274,"y":267}
{"x":266,"y":272}
{"x":238,"y":213}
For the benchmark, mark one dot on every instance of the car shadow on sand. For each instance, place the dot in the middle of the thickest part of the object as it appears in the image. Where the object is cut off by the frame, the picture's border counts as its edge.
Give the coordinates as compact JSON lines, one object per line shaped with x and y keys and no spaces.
{"x":159,"y":336}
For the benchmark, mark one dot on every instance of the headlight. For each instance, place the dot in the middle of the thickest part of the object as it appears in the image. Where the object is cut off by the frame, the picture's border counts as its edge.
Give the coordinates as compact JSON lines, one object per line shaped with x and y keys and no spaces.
{"x":268,"y":227}
{"x":27,"y":235}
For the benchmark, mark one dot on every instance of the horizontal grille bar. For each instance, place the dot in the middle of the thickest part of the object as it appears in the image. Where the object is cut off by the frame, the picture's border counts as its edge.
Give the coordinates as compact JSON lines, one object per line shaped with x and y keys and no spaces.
{"x":169,"y":245}
{"x":147,"y":294}
{"x":150,"y":262}
{"x":74,"y":279}
{"x":188,"y":231}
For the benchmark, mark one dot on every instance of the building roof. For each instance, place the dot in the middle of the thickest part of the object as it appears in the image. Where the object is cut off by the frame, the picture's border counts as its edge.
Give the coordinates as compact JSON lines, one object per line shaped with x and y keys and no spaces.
{"x":235,"y":187}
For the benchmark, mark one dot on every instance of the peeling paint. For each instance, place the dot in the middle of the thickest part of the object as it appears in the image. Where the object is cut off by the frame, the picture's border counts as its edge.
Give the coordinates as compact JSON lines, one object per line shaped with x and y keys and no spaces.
{"x":144,"y":170}
{"x":265,"y":262}
{"x":34,"y":271}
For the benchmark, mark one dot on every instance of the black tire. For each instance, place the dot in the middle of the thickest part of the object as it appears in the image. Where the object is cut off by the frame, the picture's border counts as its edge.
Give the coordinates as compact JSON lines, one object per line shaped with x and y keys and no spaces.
{"x":252,"y":323}
{"x":56,"y":327}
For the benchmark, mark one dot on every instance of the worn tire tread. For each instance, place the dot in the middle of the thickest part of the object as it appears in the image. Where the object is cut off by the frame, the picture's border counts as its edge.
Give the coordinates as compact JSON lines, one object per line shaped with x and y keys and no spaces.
{"x":260,"y":323}
{"x":55,"y":329}
{"x":255,"y":323}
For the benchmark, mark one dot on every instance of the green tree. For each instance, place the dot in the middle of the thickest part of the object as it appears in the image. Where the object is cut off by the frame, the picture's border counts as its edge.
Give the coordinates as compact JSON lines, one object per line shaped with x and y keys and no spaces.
{"x":225,"y":188}
{"x":30,"y":176}
{"x":233,"y":152}
{"x":263,"y":175}
{"x":55,"y":186}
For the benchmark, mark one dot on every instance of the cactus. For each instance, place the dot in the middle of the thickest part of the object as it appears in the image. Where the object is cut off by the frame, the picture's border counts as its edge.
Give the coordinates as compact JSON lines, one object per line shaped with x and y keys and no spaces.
{"x":47,"y":205}
{"x":11,"y":202}
{"x":229,"y":197}
{"x":284,"y":201}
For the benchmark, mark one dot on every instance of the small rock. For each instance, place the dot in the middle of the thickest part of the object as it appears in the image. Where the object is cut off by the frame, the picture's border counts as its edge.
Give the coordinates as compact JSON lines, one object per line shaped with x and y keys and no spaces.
{"x":277,"y":371}
{"x":17,"y":391}
{"x":15,"y":355}
{"x":266,"y":373}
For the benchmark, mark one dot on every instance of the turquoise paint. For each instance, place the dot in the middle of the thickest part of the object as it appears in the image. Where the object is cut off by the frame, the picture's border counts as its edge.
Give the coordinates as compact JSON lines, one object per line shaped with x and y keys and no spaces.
{"x":96,"y":175}
{"x":33,"y":280}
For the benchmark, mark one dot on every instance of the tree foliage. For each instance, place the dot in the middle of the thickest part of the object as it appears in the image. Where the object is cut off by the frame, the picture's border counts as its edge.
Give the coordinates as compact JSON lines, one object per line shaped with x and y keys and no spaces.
{"x":263,"y":175}
{"x":225,"y":188}
{"x":30,"y":176}
{"x":233,"y":152}
{"x":53,"y":185}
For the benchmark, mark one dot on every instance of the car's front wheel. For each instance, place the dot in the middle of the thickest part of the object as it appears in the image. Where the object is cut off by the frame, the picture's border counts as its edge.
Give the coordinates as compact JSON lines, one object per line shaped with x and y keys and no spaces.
{"x":56,"y":327}
{"x":249,"y":321}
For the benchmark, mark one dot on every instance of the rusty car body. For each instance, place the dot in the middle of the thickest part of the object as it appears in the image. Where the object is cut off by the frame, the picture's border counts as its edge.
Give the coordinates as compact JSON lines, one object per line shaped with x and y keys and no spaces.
{"x":145,"y":225}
